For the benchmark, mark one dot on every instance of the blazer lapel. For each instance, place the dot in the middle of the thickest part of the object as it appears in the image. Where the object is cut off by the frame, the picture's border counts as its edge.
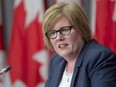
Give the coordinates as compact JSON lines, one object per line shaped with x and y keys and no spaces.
{"x":76,"y":70}
{"x":58,"y":74}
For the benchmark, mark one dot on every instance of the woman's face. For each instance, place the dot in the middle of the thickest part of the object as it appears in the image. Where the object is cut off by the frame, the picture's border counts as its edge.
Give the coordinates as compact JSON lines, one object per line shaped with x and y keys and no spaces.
{"x":66,"y":45}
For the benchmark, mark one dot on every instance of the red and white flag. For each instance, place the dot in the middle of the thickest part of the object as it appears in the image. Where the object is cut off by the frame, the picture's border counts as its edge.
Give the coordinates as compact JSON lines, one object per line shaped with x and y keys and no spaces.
{"x":2,"y":51}
{"x":104,"y":22}
{"x":27,"y":54}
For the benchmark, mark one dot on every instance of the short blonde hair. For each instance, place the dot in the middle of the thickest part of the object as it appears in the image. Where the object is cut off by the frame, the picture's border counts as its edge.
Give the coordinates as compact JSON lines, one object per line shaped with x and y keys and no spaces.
{"x":73,"y":13}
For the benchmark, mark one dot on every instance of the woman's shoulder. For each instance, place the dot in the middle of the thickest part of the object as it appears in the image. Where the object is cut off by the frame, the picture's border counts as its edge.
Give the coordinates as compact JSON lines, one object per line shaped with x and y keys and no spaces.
{"x":98,"y":58}
{"x":94,"y":47}
{"x":96,"y":53}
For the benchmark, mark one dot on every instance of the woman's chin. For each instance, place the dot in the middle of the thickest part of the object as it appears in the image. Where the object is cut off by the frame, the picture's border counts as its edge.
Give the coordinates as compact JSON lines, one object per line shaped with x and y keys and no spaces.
{"x":64,"y":54}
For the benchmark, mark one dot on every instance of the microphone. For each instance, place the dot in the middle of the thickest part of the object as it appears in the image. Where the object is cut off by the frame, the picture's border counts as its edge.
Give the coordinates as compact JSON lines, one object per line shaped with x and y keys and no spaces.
{"x":5,"y":70}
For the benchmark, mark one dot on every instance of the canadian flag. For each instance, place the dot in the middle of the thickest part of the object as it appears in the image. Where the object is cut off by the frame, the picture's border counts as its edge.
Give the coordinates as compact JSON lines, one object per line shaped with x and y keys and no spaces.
{"x":27,"y":54}
{"x":2,"y":51}
{"x":104,"y":22}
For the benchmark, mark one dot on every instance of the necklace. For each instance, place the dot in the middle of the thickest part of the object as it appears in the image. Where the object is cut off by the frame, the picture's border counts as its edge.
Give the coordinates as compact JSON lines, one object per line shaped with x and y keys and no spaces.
{"x":68,"y":79}
{"x":68,"y":76}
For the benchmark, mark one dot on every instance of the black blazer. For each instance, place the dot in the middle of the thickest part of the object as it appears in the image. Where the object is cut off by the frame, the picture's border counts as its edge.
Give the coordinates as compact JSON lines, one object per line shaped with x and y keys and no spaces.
{"x":95,"y":67}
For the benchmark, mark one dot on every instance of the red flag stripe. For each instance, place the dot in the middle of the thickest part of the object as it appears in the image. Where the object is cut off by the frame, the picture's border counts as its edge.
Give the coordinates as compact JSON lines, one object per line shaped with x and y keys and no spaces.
{"x":105,"y":26}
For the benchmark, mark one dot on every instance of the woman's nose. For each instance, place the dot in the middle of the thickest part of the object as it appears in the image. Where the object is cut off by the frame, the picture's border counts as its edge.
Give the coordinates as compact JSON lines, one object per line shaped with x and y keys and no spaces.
{"x":59,"y":36}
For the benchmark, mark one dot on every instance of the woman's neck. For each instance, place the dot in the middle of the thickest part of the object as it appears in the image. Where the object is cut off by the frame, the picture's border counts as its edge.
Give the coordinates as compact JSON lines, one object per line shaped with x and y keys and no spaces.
{"x":70,"y":66}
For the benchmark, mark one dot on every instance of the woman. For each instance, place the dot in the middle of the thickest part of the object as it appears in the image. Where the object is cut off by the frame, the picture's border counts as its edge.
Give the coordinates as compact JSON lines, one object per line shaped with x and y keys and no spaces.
{"x":78,"y":61}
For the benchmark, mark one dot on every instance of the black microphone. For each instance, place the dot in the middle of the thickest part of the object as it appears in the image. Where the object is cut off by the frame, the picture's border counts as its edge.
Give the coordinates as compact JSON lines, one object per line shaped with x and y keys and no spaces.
{"x":5,"y":70}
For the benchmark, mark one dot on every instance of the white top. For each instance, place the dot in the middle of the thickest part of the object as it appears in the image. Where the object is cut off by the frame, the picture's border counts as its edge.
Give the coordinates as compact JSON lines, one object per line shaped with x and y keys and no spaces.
{"x":66,"y":79}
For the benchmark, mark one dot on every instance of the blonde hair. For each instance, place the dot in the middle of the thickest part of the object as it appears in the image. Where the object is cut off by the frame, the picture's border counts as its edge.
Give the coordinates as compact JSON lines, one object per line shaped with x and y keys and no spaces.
{"x":73,"y":13}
